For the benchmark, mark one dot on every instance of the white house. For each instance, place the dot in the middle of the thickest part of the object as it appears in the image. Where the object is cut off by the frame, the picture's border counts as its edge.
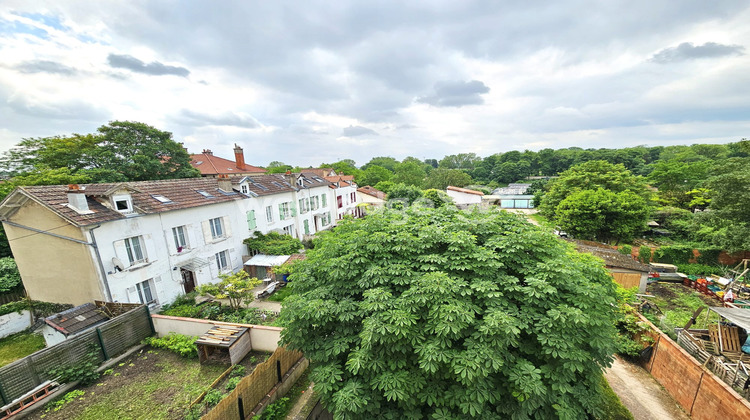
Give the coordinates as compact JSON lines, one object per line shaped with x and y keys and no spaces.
{"x":464,"y":197}
{"x":345,"y":195}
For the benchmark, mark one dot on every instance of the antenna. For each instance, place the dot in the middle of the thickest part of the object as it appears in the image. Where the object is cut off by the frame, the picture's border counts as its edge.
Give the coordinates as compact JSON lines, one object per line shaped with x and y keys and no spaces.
{"x":119,"y":266}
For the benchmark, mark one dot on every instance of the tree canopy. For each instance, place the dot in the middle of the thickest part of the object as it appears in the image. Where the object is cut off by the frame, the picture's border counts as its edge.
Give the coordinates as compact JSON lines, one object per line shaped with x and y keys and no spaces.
{"x":441,"y":178}
{"x":446,"y":314}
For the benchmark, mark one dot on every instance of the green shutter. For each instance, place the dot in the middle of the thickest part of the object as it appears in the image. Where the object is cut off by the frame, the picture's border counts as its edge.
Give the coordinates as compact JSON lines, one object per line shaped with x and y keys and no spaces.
{"x":251,"y":220}
{"x":281,"y":211}
{"x":324,"y":200}
{"x":307,"y":227}
{"x":293,"y":208}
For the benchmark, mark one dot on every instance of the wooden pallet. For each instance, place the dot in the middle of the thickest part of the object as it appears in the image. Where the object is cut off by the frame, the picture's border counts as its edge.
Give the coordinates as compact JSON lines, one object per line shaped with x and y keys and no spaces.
{"x":730,"y":339}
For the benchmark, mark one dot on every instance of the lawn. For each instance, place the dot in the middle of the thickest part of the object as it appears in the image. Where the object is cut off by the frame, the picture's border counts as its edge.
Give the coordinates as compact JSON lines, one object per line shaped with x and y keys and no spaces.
{"x":280,"y":295}
{"x":150,"y":384}
{"x":17,"y":346}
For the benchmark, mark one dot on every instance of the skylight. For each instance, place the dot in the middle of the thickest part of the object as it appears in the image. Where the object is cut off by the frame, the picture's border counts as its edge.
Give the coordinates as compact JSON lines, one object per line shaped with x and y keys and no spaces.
{"x":259,"y":185}
{"x":160,"y":198}
{"x":277,"y":184}
{"x":204,"y":193}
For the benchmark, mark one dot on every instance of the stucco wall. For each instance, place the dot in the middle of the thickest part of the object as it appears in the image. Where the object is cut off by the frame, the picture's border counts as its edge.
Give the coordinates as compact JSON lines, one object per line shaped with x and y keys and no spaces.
{"x":262,"y":338}
{"x":14,"y":322}
{"x":53,"y":269}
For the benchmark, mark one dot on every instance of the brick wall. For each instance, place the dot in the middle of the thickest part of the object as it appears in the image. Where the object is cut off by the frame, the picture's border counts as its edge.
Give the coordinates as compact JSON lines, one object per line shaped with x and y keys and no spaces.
{"x":703,"y":395}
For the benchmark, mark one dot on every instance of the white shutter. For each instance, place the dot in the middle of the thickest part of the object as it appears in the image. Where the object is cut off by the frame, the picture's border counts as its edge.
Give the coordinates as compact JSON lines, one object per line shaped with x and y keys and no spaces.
{"x":132,"y":295}
{"x":227,"y":226}
{"x":233,"y":259}
{"x":121,"y":252}
{"x":207,"y":237}
{"x":212,"y":268}
{"x":159,"y":286}
{"x":150,"y":248}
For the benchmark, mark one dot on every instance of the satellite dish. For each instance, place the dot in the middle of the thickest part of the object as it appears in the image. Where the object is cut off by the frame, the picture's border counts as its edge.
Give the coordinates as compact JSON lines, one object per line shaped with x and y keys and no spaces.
{"x":119,"y":266}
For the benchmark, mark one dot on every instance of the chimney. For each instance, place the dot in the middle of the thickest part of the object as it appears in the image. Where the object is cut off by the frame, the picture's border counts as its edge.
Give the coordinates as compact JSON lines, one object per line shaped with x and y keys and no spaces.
{"x":208,"y":152}
{"x":224,"y":182}
{"x":77,"y":198}
{"x":239,"y":157}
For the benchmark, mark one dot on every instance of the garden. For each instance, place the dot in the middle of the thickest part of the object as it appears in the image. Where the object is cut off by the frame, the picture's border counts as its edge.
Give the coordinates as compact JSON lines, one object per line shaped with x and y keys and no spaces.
{"x":186,"y":306}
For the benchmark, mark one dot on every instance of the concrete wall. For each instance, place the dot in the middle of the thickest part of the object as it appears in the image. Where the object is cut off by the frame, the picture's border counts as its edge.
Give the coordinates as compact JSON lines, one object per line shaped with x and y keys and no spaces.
{"x":53,"y":269}
{"x":14,"y":323}
{"x":262,"y":338}
{"x":703,"y":395}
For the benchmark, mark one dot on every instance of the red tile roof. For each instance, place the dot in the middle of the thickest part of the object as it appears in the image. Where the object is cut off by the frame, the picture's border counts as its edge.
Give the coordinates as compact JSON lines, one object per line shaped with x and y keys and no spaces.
{"x":464,"y":190}
{"x":372,"y":192}
{"x":209,"y":164}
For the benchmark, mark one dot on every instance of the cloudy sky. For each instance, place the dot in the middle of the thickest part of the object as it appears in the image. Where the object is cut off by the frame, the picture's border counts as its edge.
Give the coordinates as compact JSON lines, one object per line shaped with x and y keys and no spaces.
{"x":307,"y":82}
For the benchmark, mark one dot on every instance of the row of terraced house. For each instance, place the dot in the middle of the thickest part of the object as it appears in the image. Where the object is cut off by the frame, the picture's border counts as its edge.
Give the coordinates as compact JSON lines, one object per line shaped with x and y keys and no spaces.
{"x":150,"y":241}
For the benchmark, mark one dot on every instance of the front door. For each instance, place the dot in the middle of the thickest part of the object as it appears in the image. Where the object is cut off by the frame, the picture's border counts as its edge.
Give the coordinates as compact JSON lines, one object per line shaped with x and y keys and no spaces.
{"x":188,"y":280}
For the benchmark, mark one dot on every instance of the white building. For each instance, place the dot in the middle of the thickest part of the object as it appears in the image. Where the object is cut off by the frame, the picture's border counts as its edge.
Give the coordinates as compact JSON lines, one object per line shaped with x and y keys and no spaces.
{"x":151,"y":241}
{"x":345,"y":194}
{"x":464,"y":197}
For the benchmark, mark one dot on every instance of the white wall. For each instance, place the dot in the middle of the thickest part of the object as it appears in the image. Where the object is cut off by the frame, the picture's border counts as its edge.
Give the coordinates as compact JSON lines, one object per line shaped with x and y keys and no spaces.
{"x":14,"y":323}
{"x":464,"y":198}
{"x":262,"y":338}
{"x":348,"y":205}
{"x":52,"y":336}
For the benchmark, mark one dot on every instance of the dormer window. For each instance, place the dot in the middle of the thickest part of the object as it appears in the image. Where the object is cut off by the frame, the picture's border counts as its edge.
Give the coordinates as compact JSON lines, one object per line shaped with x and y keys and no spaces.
{"x":244,"y":188}
{"x":123,"y":203}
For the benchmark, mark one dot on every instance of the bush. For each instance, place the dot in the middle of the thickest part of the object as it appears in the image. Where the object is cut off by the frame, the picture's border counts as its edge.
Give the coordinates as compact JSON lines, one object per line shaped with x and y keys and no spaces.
{"x":84,"y":370}
{"x":178,"y":343}
{"x":273,"y":243}
{"x":9,"y":275}
{"x":232,"y":383}
{"x":276,"y":410}
{"x":699,"y":269}
{"x":212,"y":397}
{"x":675,"y":254}
{"x":626,"y":249}
{"x":644,"y":254}
{"x":709,"y":256}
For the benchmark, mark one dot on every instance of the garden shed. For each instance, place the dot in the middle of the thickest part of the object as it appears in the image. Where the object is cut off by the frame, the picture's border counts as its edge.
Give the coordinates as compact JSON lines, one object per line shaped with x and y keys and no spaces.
{"x":224,"y":343}
{"x":260,"y":266}
{"x":66,"y":324}
{"x":626,"y":271}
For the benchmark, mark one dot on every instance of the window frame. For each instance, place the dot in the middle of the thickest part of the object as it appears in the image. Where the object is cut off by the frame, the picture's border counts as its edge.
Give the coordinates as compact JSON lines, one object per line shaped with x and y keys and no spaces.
{"x":133,"y":247}
{"x":180,"y":239}
{"x":143,"y":290}
{"x":269,"y":214}
{"x":217,"y":228}
{"x":225,"y":255}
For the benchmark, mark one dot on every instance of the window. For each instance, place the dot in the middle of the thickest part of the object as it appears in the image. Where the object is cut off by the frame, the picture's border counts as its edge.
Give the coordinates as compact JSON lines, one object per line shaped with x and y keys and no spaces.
{"x":325,"y":200}
{"x":217,"y":228}
{"x":284,"y":212}
{"x":180,"y":241}
{"x":251,"y":220}
{"x":222,"y":261}
{"x":306,"y":224}
{"x":303,"y":205}
{"x":326,"y":219}
{"x":269,"y":214}
{"x":160,"y":198}
{"x":244,"y":189}
{"x":144,"y":292}
{"x":289,"y":230}
{"x":315,"y":202}
{"x":123,"y":203}
{"x":340,"y":201}
{"x":354,"y":197}
{"x":134,"y":248}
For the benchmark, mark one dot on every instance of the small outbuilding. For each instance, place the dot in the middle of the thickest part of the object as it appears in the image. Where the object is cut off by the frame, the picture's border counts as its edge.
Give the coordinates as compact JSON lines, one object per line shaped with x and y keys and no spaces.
{"x":224,"y":344}
{"x":66,"y":324}
{"x":464,"y":197}
{"x":626,"y":271}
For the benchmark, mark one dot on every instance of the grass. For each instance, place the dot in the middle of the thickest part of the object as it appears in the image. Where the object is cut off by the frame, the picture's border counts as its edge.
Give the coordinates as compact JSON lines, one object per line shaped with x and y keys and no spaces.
{"x":17,"y":346}
{"x":280,"y":295}
{"x":612,"y":408}
{"x":154,"y":384}
{"x":677,"y":303}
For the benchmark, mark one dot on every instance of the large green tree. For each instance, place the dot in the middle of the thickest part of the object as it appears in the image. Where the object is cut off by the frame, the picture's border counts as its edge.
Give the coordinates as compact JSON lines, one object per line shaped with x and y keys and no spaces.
{"x":603,"y":214}
{"x":441,"y":178}
{"x":446,"y":314}
{"x":410,"y":173}
{"x":591,"y":175}
{"x":374,"y":174}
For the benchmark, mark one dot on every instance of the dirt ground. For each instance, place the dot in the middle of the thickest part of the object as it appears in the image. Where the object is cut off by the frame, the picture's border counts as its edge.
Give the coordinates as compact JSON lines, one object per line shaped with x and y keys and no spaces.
{"x":641,"y":394}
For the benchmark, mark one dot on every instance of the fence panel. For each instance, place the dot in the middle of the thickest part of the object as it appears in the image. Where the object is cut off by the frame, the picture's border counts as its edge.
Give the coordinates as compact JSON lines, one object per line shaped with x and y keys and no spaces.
{"x":254,"y":387}
{"x":118,"y":334}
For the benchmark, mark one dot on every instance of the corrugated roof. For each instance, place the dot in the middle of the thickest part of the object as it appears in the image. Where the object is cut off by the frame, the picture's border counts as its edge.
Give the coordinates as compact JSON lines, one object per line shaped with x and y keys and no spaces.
{"x":77,"y":319}
{"x":263,"y":260}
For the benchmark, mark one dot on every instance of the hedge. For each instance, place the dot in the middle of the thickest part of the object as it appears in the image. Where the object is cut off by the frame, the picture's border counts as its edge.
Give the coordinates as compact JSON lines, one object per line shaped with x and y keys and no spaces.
{"x":675,"y":254}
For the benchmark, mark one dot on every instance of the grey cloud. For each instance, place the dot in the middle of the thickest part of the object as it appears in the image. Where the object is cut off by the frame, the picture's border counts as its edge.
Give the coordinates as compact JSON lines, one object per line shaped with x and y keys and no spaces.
{"x":71,"y":110}
{"x":357,"y":130}
{"x":456,"y":94}
{"x":45,"y":66}
{"x":689,"y":51}
{"x":154,"y":68}
{"x":227,"y":119}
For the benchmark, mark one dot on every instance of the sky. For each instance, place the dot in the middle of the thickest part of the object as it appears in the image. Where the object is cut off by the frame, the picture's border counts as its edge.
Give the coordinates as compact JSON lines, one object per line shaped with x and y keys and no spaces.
{"x":308,"y":82}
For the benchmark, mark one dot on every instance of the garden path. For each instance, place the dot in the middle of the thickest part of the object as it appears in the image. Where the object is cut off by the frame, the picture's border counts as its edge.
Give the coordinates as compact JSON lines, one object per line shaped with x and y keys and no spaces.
{"x":641,"y":394}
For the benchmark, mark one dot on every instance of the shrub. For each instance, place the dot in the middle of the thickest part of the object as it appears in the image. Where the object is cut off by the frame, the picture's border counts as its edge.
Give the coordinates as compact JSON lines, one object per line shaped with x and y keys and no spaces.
{"x":212,"y":397}
{"x":232,"y":383}
{"x":709,"y":256}
{"x":178,"y":343}
{"x":9,"y":275}
{"x":276,"y":410}
{"x":644,"y":254}
{"x":699,"y":269}
{"x":83,"y":371}
{"x":626,"y":249}
{"x":675,"y":254}
{"x":273,"y":243}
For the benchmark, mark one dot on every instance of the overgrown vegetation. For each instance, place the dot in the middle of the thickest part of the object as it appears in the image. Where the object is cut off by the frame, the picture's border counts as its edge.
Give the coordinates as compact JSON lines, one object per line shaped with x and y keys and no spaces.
{"x":273,"y":243}
{"x":177,"y":343}
{"x":275,"y":411}
{"x":9,"y":275}
{"x":83,"y":371}
{"x":65,"y":399}
{"x":185,"y":306}
{"x":235,"y":287}
{"x":40,"y":309}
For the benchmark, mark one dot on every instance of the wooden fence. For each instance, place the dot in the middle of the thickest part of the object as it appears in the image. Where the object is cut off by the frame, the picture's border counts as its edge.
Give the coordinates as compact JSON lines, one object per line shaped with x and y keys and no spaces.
{"x":107,"y":340}
{"x":253,"y":388}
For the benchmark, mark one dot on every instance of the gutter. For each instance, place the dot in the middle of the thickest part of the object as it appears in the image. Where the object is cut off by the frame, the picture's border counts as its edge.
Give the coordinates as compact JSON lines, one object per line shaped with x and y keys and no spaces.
{"x":44,"y":232}
{"x":101,"y":265}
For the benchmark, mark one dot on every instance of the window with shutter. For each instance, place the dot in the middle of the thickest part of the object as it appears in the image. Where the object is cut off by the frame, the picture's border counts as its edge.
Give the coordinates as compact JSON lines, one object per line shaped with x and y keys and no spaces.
{"x":325,"y":202}
{"x":281,"y":212}
{"x":251,"y":220}
{"x":307,"y":227}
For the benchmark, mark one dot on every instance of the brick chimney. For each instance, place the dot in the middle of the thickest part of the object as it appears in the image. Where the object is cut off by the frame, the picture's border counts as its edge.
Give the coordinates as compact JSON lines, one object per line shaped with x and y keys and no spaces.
{"x":239,"y":157}
{"x":224,"y":182}
{"x":77,"y":198}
